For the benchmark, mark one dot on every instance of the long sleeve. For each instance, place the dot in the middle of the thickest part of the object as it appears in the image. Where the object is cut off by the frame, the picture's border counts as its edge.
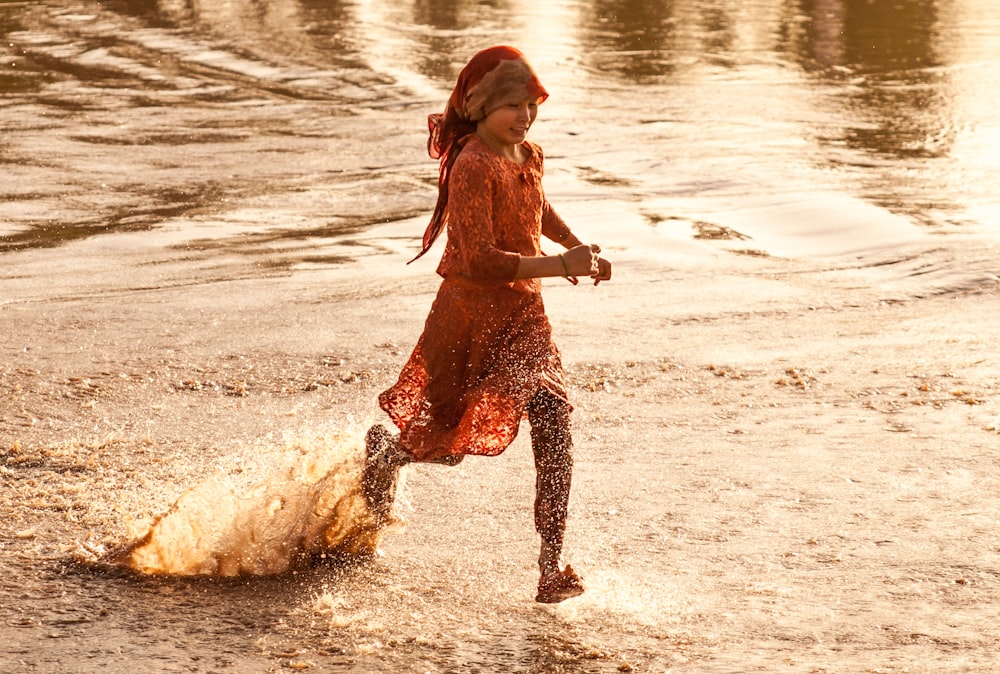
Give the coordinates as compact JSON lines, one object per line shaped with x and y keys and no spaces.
{"x":553,"y":226}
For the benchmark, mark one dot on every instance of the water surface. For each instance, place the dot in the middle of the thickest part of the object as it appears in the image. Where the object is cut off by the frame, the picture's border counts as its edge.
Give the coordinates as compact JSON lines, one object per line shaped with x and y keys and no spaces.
{"x":265,"y":134}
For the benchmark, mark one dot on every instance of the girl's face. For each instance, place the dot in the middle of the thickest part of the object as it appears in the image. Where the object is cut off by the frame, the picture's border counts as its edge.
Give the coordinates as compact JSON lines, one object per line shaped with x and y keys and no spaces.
{"x":508,"y":125}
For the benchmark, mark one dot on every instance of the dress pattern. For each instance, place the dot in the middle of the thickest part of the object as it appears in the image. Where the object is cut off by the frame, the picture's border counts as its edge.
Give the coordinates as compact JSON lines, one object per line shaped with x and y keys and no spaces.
{"x":486,"y":348}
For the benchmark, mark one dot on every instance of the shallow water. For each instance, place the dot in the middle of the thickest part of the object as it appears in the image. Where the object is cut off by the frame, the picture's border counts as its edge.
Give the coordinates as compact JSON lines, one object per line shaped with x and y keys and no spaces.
{"x":153,"y":150}
{"x":243,"y":140}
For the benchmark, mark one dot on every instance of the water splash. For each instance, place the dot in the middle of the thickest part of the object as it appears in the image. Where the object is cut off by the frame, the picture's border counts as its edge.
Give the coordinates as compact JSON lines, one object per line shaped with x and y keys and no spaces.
{"x":310,"y":509}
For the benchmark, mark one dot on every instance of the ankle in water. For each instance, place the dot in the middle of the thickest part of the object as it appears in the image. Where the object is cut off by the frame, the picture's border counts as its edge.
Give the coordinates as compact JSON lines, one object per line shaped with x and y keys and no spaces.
{"x":381,"y":471}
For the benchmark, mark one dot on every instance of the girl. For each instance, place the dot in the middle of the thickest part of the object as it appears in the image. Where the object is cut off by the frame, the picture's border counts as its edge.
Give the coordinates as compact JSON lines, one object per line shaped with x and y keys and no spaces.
{"x":486,"y":356}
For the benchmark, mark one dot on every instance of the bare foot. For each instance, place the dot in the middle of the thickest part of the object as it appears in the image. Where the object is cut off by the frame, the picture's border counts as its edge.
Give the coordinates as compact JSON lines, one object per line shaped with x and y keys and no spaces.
{"x":559,"y":586}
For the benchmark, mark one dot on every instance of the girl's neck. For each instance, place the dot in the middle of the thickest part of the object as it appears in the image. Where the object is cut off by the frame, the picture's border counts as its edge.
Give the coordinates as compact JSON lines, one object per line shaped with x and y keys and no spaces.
{"x":515,"y":153}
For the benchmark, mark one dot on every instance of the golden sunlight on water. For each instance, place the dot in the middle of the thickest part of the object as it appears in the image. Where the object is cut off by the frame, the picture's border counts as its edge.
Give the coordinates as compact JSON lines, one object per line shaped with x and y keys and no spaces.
{"x":968,"y":39}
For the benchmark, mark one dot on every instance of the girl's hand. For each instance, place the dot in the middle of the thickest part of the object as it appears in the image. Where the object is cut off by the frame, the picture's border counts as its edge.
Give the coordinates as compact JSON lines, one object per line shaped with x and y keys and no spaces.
{"x":580,"y":261}
{"x":583,"y":260}
{"x":603,"y":272}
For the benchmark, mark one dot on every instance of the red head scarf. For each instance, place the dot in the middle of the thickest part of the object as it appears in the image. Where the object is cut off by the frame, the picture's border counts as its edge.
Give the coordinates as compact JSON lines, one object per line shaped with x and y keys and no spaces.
{"x":492,"y":78}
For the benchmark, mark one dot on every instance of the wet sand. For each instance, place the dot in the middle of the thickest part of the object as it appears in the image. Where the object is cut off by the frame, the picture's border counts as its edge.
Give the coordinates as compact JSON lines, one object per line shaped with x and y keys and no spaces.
{"x":799,"y":479}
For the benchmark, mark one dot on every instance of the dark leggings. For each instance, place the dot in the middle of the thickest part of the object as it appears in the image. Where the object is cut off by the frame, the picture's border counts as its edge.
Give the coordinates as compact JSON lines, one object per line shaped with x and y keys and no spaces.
{"x":553,"y":448}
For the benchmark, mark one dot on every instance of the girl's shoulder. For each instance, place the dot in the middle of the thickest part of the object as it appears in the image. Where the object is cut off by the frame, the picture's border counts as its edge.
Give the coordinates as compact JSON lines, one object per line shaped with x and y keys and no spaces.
{"x":475,"y":150}
{"x":476,"y":163}
{"x":536,"y":151}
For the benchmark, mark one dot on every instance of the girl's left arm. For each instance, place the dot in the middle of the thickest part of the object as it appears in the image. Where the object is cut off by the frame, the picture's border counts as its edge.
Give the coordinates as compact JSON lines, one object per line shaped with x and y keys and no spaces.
{"x":556,"y":229}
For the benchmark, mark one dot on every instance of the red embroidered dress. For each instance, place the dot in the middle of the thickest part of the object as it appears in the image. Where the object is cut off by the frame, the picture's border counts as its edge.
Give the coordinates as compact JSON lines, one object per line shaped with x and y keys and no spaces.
{"x":486,"y":348}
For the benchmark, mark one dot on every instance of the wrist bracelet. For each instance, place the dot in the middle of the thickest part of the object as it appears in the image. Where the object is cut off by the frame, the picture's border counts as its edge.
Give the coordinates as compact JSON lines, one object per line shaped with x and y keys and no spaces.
{"x":565,"y":268}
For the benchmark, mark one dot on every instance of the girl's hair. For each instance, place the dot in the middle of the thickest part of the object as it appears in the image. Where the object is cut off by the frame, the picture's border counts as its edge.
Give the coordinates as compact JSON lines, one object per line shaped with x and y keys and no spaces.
{"x":492,"y":78}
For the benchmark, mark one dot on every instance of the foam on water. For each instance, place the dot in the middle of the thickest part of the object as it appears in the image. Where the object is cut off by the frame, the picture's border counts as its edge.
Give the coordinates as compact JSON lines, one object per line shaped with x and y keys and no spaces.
{"x":308,"y":509}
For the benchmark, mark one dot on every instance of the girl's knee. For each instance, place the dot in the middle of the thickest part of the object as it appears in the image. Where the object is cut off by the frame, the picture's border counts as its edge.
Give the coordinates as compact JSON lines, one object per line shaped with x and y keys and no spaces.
{"x":548,"y":408}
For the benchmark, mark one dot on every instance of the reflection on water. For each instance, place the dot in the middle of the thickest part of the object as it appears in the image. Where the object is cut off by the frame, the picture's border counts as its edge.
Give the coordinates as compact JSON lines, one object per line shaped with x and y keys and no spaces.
{"x":631,"y":38}
{"x":902,"y":99}
{"x":887,"y":38}
{"x":16,"y":73}
{"x":861,"y":93}
{"x":273,"y":27}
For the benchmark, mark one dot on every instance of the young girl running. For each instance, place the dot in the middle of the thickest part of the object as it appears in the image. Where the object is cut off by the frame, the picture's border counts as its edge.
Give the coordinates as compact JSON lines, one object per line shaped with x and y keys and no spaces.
{"x":486,"y":356}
